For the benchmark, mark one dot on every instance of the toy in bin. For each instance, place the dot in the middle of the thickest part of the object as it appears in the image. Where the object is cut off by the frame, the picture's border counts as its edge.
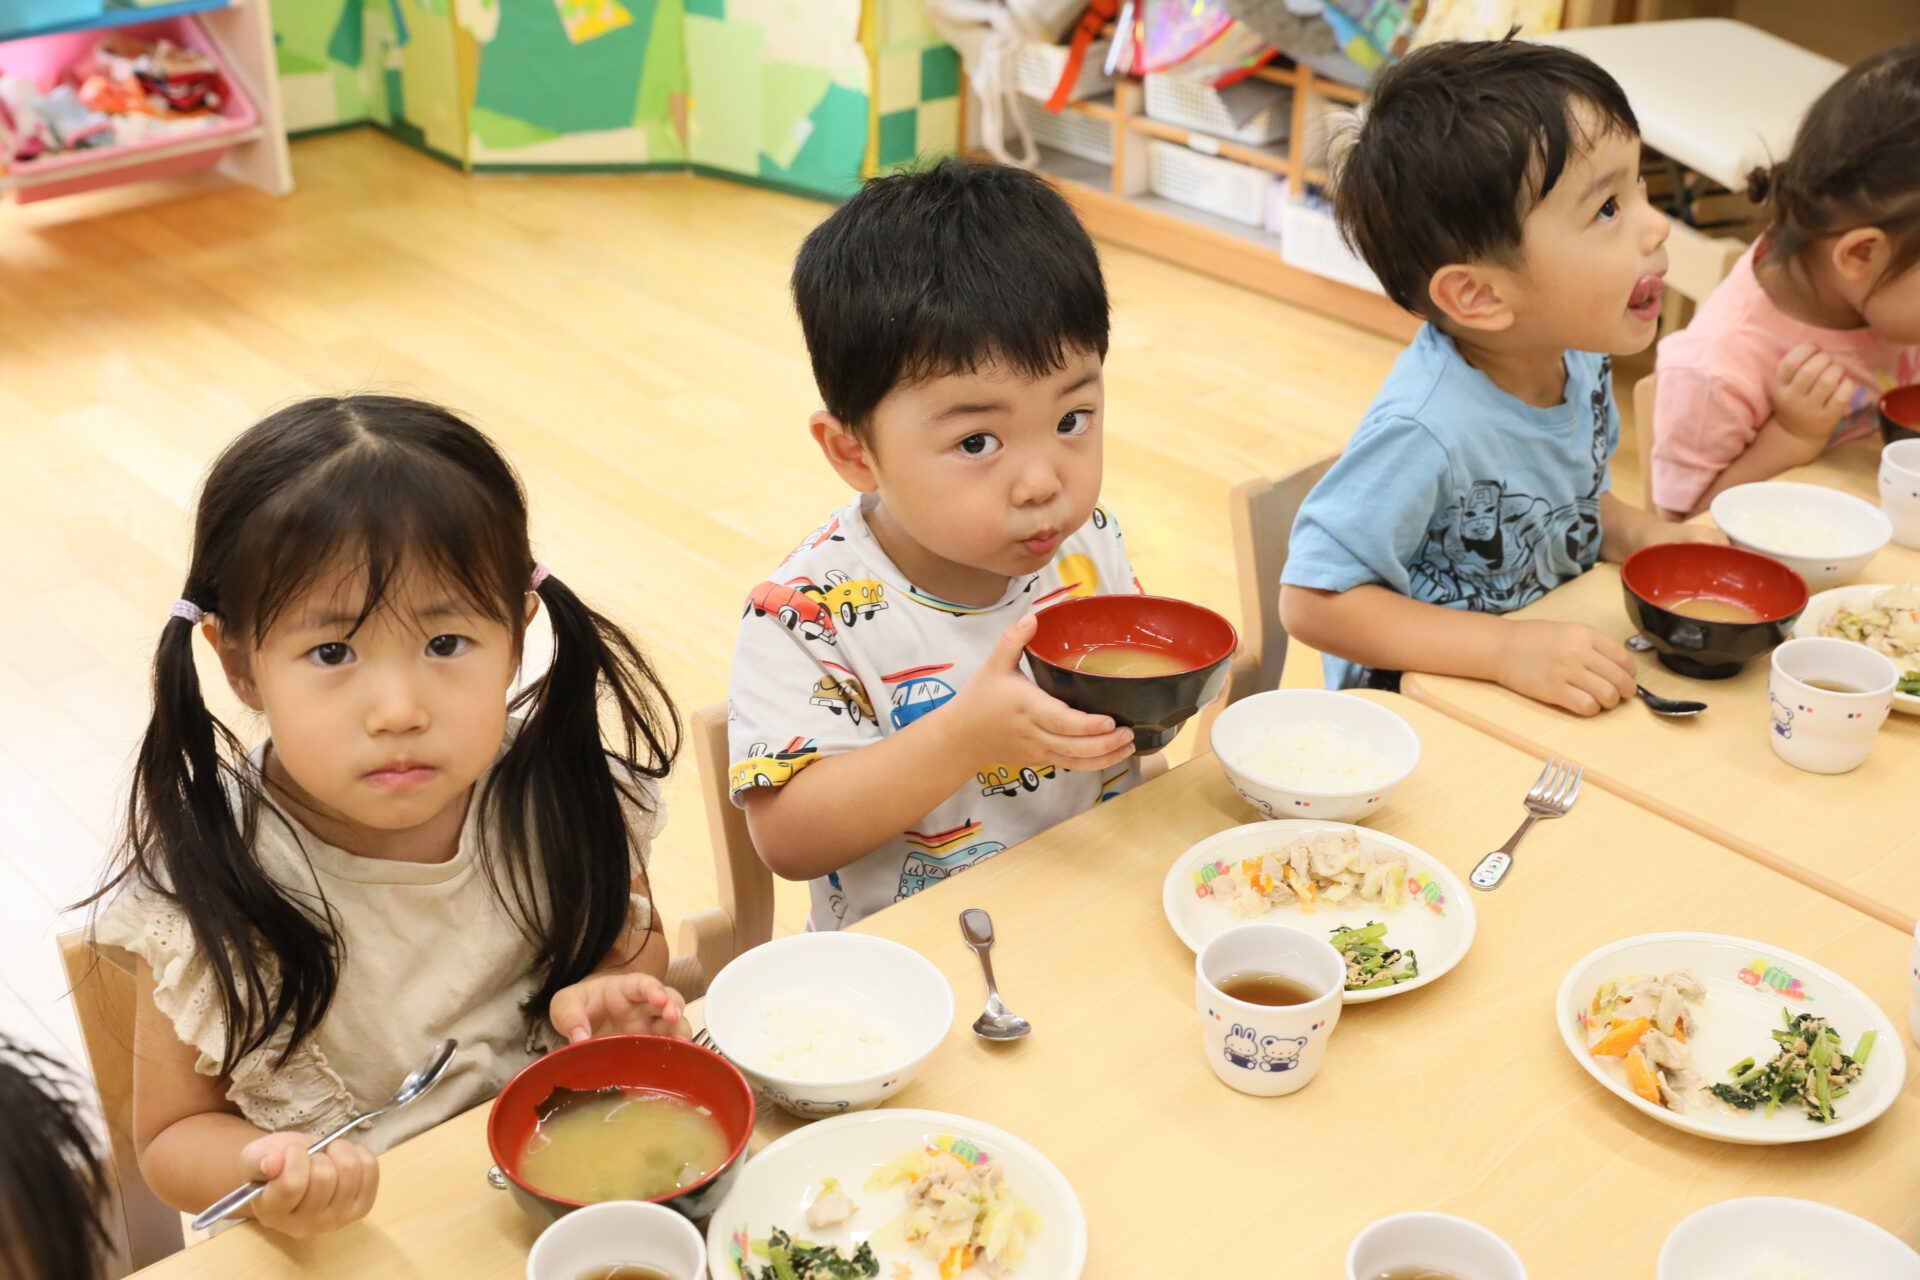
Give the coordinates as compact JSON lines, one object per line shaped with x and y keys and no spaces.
{"x":127,"y":90}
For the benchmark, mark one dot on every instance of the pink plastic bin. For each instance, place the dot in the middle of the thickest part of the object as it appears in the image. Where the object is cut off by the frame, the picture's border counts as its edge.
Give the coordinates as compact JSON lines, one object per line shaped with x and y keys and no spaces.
{"x":47,"y":59}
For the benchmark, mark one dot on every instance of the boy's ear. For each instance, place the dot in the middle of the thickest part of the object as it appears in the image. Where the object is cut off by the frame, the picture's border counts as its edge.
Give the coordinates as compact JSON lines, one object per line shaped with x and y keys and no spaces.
{"x":1860,"y":255}
{"x":850,"y":459}
{"x":1472,"y":296}
{"x":233,"y":662}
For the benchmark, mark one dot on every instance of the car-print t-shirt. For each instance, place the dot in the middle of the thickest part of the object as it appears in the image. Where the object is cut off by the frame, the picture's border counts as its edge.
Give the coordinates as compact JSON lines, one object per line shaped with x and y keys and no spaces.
{"x":838,"y":649}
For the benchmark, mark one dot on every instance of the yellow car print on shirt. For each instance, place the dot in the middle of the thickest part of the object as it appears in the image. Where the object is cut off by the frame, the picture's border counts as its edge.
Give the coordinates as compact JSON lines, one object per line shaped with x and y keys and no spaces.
{"x":842,"y":695}
{"x":764,"y":768}
{"x":1000,"y":780}
{"x":854,"y":599}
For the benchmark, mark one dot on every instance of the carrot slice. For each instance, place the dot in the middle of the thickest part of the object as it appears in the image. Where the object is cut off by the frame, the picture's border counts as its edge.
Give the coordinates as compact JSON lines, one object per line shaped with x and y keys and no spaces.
{"x":1640,"y":1076}
{"x":1621,"y":1037}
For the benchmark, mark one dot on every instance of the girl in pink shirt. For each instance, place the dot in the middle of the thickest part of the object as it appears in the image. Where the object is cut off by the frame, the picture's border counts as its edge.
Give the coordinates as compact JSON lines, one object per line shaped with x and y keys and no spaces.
{"x":1821,"y":316}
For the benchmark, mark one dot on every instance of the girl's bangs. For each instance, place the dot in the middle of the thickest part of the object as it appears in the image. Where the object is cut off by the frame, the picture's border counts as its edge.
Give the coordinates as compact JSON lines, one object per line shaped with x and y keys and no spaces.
{"x":385,"y":518}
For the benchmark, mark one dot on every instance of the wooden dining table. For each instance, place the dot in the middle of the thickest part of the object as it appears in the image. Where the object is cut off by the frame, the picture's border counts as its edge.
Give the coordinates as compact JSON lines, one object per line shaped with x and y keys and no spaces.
{"x":1855,"y":836}
{"x":1459,"y":1097}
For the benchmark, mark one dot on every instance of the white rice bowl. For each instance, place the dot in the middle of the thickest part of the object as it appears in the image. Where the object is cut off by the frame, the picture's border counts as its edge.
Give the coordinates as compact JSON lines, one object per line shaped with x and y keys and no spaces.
{"x":1822,"y":534}
{"x":1311,"y":753}
{"x":825,"y":1023}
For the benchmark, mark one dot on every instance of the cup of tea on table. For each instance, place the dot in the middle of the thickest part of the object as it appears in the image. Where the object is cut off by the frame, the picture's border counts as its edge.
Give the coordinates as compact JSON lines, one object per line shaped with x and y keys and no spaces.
{"x":1150,"y":662}
{"x":1269,"y":996}
{"x":1827,"y":698}
{"x":1431,"y":1246}
{"x":619,"y":1240}
{"x":1900,"y":488}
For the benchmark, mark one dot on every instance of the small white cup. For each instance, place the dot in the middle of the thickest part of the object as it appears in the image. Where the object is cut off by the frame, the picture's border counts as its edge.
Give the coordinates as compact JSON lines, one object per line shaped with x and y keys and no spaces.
{"x":1267,"y":1050}
{"x":1820,"y":730}
{"x":616,"y":1233}
{"x":1900,"y":490}
{"x":1437,"y":1240}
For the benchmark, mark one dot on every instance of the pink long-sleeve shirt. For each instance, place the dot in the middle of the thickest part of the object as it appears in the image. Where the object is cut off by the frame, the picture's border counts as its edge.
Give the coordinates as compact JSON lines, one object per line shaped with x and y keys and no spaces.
{"x":1712,"y":397}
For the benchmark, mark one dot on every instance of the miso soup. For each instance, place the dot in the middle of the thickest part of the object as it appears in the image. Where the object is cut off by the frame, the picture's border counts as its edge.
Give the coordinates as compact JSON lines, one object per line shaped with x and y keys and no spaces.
{"x":1125,"y":660}
{"x":1709,"y":609}
{"x":623,"y":1272}
{"x":620,"y":1144}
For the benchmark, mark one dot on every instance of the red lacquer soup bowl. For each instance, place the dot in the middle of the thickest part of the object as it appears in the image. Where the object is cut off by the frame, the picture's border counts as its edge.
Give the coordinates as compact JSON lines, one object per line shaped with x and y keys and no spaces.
{"x":1660,"y":582}
{"x":1192,"y":644}
{"x":655,"y":1064}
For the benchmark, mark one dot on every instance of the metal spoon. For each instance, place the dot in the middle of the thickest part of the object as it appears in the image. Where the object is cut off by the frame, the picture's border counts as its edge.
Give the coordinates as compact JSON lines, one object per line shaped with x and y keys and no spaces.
{"x":417,"y":1083}
{"x":997,"y":1022}
{"x":1670,"y":706}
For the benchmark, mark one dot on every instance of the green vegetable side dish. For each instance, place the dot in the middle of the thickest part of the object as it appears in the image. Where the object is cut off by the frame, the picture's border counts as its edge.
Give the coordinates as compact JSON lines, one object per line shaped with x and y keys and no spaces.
{"x":1809,"y":1068}
{"x":1910,"y":683}
{"x":1371,"y":963}
{"x":790,"y":1259}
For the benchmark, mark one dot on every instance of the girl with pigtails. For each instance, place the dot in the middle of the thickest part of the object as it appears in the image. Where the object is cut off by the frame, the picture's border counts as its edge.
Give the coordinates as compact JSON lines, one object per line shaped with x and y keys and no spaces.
{"x":411,"y":854}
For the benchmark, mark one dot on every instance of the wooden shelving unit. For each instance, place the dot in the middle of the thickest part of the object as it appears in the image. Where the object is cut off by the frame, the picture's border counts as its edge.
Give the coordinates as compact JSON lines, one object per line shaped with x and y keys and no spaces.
{"x":1116,"y":205}
{"x":242,"y":32}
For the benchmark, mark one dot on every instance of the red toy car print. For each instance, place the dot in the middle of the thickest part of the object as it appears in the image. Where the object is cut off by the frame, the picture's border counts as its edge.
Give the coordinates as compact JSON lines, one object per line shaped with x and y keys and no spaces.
{"x":796,"y":602}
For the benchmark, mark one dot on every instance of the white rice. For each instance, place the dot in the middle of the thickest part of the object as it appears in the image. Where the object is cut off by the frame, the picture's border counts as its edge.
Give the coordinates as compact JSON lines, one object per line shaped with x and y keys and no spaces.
{"x":805,"y":1037}
{"x":1316,"y":757}
{"x":1804,"y":534}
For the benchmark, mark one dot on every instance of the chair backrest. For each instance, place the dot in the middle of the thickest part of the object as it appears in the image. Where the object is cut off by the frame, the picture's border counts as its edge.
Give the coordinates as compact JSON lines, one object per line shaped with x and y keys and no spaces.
{"x":1643,"y":393}
{"x":1262,"y":512}
{"x":709,"y":939}
{"x":103,"y":1003}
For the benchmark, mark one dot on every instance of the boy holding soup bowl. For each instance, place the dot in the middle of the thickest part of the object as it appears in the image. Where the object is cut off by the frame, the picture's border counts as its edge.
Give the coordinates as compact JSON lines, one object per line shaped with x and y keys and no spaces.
{"x":881,"y":733}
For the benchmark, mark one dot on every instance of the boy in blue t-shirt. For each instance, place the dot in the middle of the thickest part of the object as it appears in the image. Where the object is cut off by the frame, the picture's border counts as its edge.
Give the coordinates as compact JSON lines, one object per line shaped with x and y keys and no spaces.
{"x":1494,"y":189}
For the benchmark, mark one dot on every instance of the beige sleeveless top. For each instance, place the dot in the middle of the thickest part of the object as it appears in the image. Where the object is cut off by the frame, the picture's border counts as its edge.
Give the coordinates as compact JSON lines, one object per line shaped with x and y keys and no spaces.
{"x":430,"y":953}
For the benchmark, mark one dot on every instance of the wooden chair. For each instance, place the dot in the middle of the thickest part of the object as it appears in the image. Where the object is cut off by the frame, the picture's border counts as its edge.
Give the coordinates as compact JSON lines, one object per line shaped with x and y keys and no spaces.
{"x":744,"y":918}
{"x":102,"y":985}
{"x":1262,"y":512}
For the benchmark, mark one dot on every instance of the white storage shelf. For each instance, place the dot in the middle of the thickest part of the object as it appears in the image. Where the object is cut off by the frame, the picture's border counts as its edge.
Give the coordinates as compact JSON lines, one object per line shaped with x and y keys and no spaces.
{"x":1200,"y":199}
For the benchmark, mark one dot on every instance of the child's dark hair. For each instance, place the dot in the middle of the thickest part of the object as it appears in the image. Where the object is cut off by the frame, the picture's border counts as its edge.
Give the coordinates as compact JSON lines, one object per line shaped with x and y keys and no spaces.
{"x":932,"y":272}
{"x":1855,"y":163}
{"x":386,"y":486}
{"x":1457,"y":145}
{"x":53,"y":1179}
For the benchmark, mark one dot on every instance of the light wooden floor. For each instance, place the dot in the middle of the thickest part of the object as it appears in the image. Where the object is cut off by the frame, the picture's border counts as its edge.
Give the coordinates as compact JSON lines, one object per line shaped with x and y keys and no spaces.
{"x":627,"y":339}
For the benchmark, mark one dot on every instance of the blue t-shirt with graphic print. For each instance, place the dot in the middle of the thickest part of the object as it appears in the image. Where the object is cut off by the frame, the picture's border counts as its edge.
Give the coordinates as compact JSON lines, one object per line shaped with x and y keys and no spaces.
{"x":1455,"y":493}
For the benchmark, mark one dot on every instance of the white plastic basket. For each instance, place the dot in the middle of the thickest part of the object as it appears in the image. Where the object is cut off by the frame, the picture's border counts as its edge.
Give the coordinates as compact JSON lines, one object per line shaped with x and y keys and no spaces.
{"x":1073,"y":132}
{"x":1175,"y":99}
{"x":1037,"y":68}
{"x":1225,"y":187}
{"x":1310,"y":241}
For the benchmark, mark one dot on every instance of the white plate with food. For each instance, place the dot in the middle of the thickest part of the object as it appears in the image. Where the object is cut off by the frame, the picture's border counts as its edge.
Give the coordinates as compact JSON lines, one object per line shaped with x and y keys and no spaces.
{"x":889,"y":1169}
{"x":1718,"y":1036}
{"x":1334,"y":878}
{"x":1884,"y":617}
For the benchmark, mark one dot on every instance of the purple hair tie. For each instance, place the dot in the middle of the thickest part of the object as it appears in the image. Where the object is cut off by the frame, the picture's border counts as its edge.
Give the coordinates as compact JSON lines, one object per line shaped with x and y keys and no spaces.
{"x":540,"y":575}
{"x":186,"y":609}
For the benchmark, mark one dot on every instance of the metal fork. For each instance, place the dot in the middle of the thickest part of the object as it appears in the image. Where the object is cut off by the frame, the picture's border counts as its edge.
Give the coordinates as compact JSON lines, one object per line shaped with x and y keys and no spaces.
{"x":1553,"y":794}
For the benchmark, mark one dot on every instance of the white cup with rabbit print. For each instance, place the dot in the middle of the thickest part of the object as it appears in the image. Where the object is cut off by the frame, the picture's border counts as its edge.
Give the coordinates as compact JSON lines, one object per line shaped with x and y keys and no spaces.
{"x":1262,"y":1048}
{"x":1827,"y":699}
{"x":1900,"y":490}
